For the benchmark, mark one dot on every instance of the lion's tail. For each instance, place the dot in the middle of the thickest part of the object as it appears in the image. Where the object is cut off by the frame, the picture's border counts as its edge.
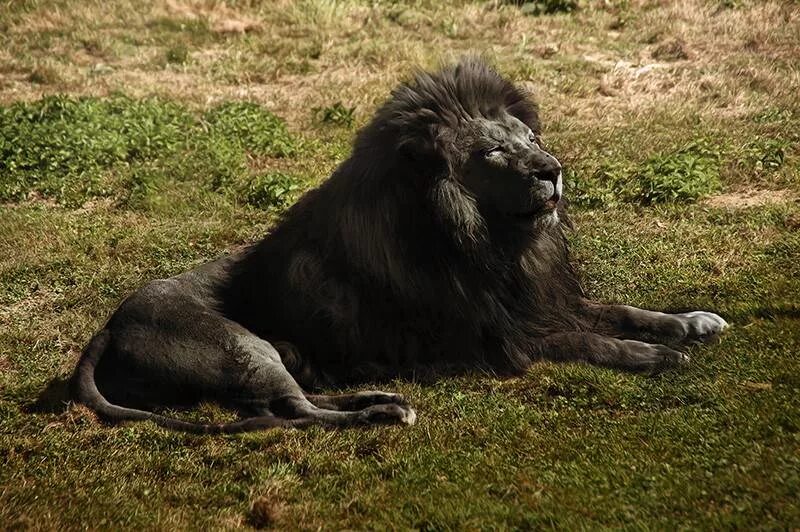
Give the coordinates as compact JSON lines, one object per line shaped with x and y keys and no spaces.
{"x":84,"y":390}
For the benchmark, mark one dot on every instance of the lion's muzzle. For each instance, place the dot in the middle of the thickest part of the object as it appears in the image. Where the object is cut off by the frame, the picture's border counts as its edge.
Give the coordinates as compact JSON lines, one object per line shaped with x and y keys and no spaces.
{"x":547,"y":171}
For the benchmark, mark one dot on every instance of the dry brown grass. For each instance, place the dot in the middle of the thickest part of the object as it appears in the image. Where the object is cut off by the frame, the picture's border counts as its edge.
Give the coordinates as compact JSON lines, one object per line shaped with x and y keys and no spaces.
{"x":294,"y":56}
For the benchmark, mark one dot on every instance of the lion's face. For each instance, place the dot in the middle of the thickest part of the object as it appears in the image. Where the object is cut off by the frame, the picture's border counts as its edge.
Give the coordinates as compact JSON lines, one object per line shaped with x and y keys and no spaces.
{"x":506,"y":170}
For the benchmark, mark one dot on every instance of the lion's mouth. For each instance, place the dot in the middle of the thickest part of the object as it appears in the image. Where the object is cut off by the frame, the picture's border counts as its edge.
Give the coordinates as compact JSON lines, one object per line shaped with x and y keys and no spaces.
{"x":548,"y":207}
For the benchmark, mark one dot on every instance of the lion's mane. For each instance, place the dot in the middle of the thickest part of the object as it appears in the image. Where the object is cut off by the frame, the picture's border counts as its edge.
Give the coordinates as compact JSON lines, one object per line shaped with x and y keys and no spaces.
{"x":390,"y":268}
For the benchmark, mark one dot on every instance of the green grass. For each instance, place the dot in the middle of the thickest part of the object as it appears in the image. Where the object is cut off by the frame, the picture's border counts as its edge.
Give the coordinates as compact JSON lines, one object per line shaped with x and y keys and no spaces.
{"x":71,"y":150}
{"x":336,"y":114}
{"x":135,"y":146}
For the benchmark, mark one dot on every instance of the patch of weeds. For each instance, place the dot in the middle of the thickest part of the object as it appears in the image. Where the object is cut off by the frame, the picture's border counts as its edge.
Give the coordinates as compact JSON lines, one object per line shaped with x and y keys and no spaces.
{"x":70,"y":148}
{"x":335,"y":114}
{"x":596,"y":190}
{"x":763,"y":155}
{"x":685,"y":175}
{"x":273,"y":189}
{"x":217,"y":160}
{"x":178,"y":54}
{"x":773,"y":115}
{"x":150,"y":128}
{"x":59,"y":145}
{"x":545,"y":7}
{"x":252,"y":127}
{"x":141,"y":184}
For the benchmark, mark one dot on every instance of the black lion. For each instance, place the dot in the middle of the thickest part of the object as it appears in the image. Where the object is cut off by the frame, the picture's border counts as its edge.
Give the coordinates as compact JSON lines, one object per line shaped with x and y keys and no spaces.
{"x":436,"y":247}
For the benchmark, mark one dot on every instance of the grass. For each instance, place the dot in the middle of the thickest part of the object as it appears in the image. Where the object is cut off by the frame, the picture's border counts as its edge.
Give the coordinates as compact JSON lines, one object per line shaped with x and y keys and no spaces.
{"x":137,"y":142}
{"x":74,"y":149}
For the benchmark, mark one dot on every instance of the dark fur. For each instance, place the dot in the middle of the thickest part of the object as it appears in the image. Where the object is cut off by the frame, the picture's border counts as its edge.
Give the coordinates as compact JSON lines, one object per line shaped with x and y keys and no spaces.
{"x":392,"y":267}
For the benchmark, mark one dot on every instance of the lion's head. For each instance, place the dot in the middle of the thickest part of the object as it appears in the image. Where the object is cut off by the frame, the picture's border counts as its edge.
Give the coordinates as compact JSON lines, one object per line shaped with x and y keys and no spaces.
{"x":475,"y":136}
{"x":501,"y":164}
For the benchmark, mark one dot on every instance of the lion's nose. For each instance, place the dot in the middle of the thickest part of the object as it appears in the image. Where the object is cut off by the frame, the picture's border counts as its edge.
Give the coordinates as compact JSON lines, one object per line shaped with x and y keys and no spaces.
{"x":550,"y":171}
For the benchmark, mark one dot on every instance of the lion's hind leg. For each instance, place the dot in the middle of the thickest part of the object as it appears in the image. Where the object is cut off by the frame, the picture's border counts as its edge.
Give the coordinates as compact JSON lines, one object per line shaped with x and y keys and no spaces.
{"x":357,"y":400}
{"x":300,"y":411}
{"x":268,"y":388}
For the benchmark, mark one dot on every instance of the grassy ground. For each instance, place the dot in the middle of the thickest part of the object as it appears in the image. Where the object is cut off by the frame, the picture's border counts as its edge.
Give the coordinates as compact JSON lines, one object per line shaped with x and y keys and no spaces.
{"x":137,"y":140}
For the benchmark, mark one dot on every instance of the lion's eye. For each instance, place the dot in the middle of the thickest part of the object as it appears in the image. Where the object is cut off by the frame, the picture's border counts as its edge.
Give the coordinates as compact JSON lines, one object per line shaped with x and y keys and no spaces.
{"x":532,"y":138}
{"x":491,"y":152}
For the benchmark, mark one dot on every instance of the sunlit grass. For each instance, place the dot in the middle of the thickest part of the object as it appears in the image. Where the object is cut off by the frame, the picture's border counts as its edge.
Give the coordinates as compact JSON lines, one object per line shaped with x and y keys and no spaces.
{"x":139,"y":141}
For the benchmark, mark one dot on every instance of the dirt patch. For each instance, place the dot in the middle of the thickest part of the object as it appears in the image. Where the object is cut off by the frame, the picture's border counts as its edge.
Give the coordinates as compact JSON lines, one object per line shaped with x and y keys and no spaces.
{"x":750,"y":198}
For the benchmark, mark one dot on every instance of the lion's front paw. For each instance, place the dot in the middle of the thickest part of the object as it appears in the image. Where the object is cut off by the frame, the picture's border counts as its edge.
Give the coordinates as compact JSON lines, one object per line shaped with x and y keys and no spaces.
{"x":702,"y":326}
{"x":653,"y":357}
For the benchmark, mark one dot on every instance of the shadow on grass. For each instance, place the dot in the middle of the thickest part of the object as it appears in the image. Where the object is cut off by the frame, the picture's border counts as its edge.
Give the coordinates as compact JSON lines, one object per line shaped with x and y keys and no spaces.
{"x":772,"y":312}
{"x":781,"y":311}
{"x":54,"y":399}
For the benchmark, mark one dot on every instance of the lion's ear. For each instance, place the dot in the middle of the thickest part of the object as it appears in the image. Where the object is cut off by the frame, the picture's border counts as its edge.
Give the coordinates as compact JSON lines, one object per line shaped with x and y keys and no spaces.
{"x":418,"y":142}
